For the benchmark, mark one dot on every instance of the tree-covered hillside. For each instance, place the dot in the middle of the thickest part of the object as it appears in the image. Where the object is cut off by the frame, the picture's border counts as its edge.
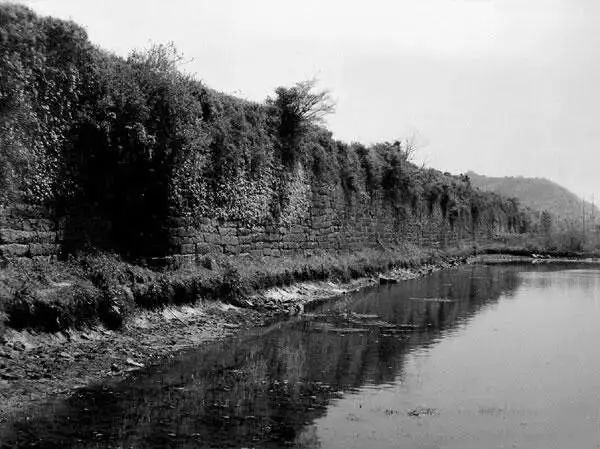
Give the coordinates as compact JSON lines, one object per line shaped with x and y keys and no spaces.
{"x":539,"y":194}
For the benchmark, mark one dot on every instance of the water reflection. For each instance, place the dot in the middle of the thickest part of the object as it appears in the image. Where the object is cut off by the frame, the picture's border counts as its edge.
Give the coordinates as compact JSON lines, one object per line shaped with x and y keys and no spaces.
{"x":269,"y":389}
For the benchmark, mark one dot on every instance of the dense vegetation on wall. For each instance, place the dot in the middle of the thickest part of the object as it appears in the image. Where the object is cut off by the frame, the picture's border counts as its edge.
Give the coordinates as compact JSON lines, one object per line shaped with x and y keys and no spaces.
{"x":138,"y":141}
{"x":40,"y":92}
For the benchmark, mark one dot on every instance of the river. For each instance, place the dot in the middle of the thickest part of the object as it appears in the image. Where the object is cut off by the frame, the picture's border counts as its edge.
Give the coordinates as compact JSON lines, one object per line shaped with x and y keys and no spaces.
{"x":473,"y":357}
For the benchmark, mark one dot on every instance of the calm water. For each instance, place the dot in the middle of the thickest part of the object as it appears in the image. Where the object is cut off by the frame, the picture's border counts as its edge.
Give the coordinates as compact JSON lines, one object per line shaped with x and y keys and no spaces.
{"x":508,"y":358}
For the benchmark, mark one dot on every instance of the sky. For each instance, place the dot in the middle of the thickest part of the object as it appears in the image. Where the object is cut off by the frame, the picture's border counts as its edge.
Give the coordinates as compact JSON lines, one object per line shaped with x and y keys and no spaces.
{"x":501,"y":87}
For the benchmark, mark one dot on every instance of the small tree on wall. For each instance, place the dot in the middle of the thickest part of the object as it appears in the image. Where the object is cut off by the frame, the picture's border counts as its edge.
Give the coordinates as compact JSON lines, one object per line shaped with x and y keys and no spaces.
{"x":296,"y":109}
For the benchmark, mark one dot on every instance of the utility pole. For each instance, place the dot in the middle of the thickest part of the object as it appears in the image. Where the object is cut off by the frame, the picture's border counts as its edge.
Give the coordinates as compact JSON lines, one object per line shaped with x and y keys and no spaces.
{"x":583,"y":216}
{"x":594,"y":227}
{"x":593,"y":207}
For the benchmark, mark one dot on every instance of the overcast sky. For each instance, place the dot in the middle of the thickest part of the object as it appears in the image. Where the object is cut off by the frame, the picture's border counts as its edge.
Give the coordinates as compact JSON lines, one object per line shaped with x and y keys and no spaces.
{"x":502,"y":87}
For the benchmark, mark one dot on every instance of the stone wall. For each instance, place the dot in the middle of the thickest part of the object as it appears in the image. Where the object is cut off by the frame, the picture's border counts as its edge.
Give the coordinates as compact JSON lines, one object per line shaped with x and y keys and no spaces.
{"x":334,"y":223}
{"x":28,"y":231}
{"x":40,"y":233}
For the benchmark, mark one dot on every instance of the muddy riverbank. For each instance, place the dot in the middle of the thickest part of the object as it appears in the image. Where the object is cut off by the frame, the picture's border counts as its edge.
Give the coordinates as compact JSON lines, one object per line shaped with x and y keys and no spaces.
{"x":36,"y":366}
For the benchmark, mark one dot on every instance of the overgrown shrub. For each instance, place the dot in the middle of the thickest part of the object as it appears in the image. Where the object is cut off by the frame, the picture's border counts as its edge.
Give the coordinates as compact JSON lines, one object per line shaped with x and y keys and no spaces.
{"x":232,"y":286}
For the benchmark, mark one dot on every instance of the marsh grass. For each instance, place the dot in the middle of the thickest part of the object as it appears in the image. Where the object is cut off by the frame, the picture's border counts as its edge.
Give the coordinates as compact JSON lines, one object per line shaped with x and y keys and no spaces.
{"x":103,"y":289}
{"x":571,"y":242}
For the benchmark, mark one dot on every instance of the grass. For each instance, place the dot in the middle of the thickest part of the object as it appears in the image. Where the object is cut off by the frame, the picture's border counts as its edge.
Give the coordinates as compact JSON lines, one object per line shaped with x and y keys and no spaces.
{"x":102,"y":288}
{"x":563,"y":243}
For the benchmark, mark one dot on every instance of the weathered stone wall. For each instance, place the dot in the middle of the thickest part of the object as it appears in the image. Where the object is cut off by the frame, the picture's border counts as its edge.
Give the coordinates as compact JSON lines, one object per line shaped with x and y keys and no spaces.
{"x":28,"y":231}
{"x":40,"y":233}
{"x":334,"y":223}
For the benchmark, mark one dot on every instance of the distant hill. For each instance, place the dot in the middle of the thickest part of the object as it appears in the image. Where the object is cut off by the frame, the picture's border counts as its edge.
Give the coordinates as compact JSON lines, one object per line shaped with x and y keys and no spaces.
{"x":538,"y":194}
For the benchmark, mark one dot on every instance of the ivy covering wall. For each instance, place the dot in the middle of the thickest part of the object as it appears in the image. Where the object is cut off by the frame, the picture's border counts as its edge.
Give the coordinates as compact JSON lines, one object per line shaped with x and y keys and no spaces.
{"x":134,"y":142}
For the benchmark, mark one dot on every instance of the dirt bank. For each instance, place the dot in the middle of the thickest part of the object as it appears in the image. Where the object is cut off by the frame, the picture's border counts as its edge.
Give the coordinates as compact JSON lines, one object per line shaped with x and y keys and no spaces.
{"x":36,"y":366}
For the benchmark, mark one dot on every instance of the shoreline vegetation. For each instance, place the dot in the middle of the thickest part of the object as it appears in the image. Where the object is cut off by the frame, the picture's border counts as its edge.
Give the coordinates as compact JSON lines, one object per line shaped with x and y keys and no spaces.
{"x":43,"y":358}
{"x":103,"y":289}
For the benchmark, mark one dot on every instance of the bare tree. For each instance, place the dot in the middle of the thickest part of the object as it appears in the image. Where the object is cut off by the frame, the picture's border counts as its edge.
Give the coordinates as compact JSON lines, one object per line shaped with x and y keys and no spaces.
{"x":303,"y":103}
{"x":412,"y":144}
{"x":297,"y":108}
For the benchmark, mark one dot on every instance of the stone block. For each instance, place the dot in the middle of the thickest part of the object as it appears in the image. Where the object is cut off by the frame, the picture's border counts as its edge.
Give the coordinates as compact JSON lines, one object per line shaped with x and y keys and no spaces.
{"x":39,"y":237}
{"x":12,"y":235}
{"x":273,"y":252}
{"x":40,"y":224}
{"x":245,"y":238}
{"x":227,"y":231}
{"x":14,"y":250}
{"x":207,"y":228}
{"x":245,"y":248}
{"x":212,"y":238}
{"x":256,"y":253}
{"x":244,"y":232}
{"x":43,"y":249}
{"x":231,"y":249}
{"x":187,"y":248}
{"x":230,"y":240}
